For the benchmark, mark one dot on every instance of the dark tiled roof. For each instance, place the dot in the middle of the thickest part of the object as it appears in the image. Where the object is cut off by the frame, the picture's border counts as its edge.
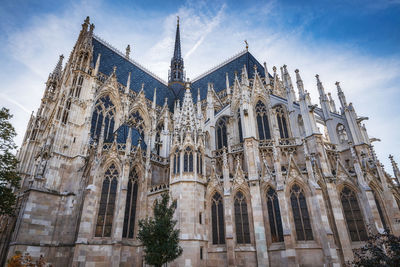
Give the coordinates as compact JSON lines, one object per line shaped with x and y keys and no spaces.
{"x":110,"y":58}
{"x":217,"y":76}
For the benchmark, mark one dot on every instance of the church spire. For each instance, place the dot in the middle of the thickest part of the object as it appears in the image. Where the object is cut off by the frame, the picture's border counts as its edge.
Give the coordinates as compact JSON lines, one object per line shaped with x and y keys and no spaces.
{"x":176,"y":79}
{"x":177,"y":49}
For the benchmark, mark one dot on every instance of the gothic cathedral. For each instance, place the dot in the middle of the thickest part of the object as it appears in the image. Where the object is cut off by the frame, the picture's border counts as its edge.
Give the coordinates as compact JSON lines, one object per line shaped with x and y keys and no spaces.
{"x":262,"y":176}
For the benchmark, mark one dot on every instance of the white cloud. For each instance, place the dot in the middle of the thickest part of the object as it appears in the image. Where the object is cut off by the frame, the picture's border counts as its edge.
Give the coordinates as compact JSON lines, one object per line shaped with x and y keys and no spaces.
{"x":208,"y":37}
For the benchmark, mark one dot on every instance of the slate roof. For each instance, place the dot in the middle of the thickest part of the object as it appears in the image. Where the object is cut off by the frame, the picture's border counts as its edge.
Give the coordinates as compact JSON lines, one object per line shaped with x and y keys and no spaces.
{"x":110,"y":57}
{"x":217,"y":75}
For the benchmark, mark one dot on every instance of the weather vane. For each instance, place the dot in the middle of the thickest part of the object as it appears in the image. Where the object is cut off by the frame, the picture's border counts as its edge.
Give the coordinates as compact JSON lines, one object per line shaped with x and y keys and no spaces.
{"x":247,"y":45}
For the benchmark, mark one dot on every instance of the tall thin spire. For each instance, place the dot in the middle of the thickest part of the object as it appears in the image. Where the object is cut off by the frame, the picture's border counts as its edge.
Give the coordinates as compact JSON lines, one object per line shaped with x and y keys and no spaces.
{"x":176,"y":79}
{"x":177,"y":49}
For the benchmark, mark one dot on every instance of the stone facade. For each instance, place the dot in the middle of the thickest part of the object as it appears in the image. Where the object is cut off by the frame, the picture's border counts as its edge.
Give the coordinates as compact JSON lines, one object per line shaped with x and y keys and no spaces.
{"x":262,"y":177}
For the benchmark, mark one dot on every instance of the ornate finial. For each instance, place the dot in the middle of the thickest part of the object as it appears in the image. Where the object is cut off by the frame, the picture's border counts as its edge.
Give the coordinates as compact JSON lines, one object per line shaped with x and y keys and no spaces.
{"x":114,"y":69}
{"x":247,"y":45}
{"x":274,"y":68}
{"x":177,"y":20}
{"x":87,"y":20}
{"x":127,"y":51}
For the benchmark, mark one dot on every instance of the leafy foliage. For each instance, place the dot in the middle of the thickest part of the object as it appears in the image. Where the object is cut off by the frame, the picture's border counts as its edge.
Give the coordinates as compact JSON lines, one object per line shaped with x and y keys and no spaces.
{"x":9,"y":179}
{"x":379,"y":250}
{"x":159,"y":238}
{"x":19,"y":260}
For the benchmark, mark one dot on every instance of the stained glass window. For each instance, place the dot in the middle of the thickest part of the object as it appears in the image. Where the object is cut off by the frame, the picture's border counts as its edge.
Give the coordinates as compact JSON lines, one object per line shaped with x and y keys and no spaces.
{"x":221,"y":136}
{"x":130,"y":206}
{"x":262,"y":121}
{"x":274,"y":216}
{"x":217,"y":219}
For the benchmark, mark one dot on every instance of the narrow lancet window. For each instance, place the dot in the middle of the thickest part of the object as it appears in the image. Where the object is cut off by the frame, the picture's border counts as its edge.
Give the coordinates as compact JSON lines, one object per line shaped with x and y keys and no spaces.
{"x":107,"y":203}
{"x":274,"y":216}
{"x":217,"y":220}
{"x":241,"y":219}
{"x":300,"y":214}
{"x":282,"y":123}
{"x":221,"y":133}
{"x":353,"y":215}
{"x":130,"y":206}
{"x":262,"y":121}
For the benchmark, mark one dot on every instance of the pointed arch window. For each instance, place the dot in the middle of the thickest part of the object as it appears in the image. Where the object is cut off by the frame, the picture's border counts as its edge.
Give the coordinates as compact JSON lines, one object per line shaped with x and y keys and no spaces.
{"x":107,"y":203}
{"x":239,"y":120}
{"x":262,"y":121}
{"x":301,"y":125}
{"x":221,"y":133}
{"x":130,"y":206}
{"x":241,"y":219}
{"x":353,"y":215}
{"x":342,"y":134}
{"x":188,"y":160}
{"x":177,"y":160}
{"x":66,"y":111}
{"x":104,"y":113}
{"x":79,"y":87}
{"x":301,"y":216}
{"x":282,"y":123}
{"x":380,"y":211}
{"x":199,"y":163}
{"x":158,"y":142}
{"x":217,"y":219}
{"x":274,"y":216}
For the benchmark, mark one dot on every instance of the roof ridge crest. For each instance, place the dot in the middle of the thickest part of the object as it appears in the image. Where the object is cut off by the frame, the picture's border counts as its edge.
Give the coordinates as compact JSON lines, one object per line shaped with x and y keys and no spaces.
{"x":110,"y":46}
{"x":220,"y":65}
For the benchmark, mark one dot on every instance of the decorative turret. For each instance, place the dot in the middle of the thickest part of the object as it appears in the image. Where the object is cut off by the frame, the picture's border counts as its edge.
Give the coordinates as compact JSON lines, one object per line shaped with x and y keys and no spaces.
{"x":323,"y":99}
{"x":396,"y":170}
{"x":54,"y":77}
{"x":176,"y":75}
{"x":341,"y":95}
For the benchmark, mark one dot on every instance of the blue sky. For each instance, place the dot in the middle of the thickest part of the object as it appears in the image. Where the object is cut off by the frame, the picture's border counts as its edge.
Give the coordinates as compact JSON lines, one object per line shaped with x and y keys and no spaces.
{"x":356,"y":42}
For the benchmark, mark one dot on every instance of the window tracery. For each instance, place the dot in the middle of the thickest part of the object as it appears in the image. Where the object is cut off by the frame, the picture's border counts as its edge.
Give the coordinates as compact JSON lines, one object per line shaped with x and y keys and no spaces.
{"x":217,"y":219}
{"x":177,"y":160}
{"x":274,"y":216}
{"x":241,"y":219}
{"x":107,"y":203}
{"x":380,"y":211}
{"x":130,"y":206}
{"x":188,"y":160}
{"x":104,"y":113}
{"x":353,"y":215}
{"x":300,"y":214}
{"x":221,"y":133}
{"x":239,"y":120}
{"x":282,"y":123}
{"x":342,"y":134}
{"x":262,"y":121}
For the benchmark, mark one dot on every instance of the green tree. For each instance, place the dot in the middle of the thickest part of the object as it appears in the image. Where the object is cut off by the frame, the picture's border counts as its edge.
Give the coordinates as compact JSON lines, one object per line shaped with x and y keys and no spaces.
{"x":9,"y":179}
{"x":379,"y":250}
{"x":159,"y":238}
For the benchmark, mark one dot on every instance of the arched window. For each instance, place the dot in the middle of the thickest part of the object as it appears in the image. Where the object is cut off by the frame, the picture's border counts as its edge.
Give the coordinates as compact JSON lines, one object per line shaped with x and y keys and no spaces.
{"x":107,"y":203}
{"x":221,"y":136}
{"x":241,"y":219}
{"x":301,"y":126}
{"x":239,"y":120}
{"x":199,"y":163}
{"x":188,"y":160}
{"x":274,"y":216}
{"x":66,"y":111}
{"x":79,"y":87}
{"x":71,"y":92}
{"x":262,"y":121}
{"x":177,"y":160}
{"x":282,"y":124}
{"x":104,"y":112}
{"x":217,"y":219}
{"x":352,"y":214}
{"x":158,"y":142}
{"x":342,"y":134}
{"x":380,"y":211}
{"x":130,"y":206}
{"x":300,"y":214}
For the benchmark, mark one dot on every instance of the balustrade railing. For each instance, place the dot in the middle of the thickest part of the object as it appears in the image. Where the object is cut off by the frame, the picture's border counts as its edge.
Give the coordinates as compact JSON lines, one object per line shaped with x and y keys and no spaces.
{"x":159,"y":188}
{"x":159,"y":159}
{"x":237,"y":148}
